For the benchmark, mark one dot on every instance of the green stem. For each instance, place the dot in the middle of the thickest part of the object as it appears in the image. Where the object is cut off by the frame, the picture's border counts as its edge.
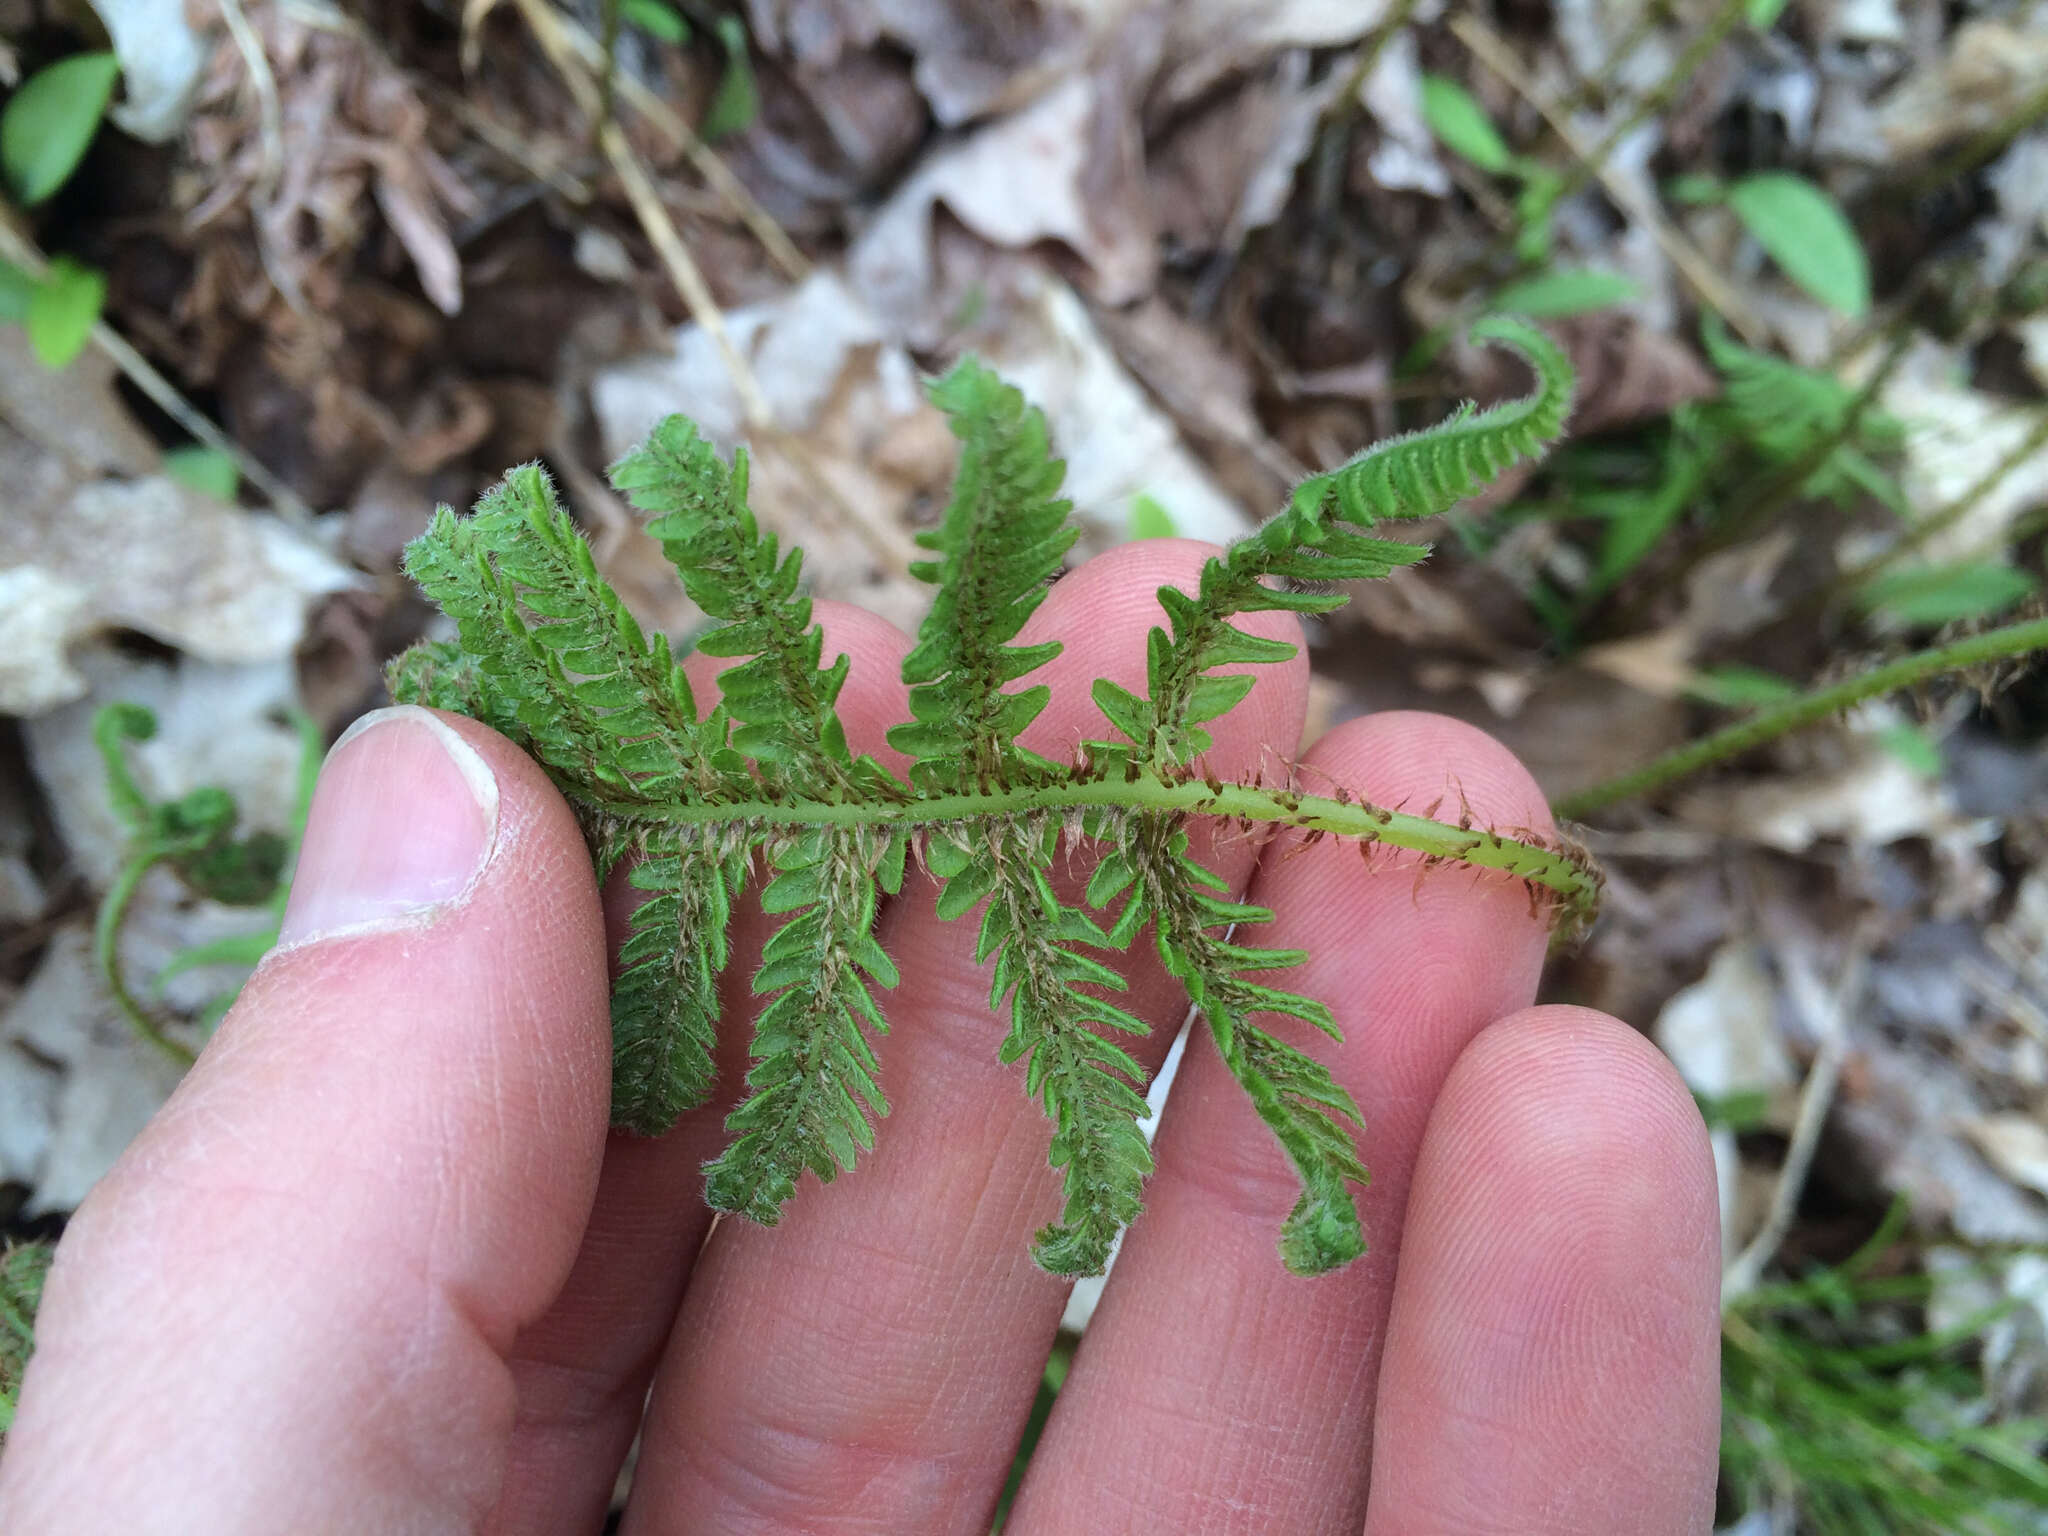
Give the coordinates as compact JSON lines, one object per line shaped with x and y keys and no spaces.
{"x":1568,"y":878}
{"x":106,"y":947}
{"x":1779,"y":719}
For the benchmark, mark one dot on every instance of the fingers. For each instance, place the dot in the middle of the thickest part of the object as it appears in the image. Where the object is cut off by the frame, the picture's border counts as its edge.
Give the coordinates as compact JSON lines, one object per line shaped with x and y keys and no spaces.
{"x":1214,"y":1390}
{"x":288,"y":1305}
{"x":868,"y":1363}
{"x":1553,"y":1358}
{"x":583,"y":1369}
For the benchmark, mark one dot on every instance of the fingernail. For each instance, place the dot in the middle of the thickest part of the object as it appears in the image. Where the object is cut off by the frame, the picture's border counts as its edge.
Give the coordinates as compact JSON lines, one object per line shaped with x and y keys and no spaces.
{"x":404,"y":819}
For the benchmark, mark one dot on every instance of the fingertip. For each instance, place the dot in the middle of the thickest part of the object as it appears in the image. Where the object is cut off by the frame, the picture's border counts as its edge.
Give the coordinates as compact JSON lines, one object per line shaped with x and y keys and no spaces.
{"x":1552,"y":1359}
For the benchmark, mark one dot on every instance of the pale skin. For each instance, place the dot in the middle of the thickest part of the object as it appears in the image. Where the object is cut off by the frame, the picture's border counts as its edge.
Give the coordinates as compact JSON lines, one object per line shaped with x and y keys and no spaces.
{"x":378,"y":1266}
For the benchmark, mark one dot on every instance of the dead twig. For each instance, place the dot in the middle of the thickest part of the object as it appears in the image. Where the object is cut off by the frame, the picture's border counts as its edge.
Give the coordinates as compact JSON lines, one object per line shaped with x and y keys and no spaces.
{"x":139,"y":371}
{"x":1691,"y":262}
{"x":665,"y":121}
{"x":891,"y":545}
{"x":1827,"y":1015}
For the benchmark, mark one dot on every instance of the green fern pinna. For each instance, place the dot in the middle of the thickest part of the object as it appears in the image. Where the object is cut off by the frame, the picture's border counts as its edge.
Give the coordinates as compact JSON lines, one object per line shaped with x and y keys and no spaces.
{"x":690,"y":801}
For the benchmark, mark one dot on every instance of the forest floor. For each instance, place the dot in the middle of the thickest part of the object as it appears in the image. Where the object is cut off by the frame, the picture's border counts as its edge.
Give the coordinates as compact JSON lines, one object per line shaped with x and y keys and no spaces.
{"x":349,"y":261}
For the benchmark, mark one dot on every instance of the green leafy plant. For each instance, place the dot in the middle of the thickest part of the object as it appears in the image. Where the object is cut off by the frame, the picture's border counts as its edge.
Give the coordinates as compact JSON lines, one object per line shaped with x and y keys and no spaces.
{"x":1941,"y":594}
{"x":1800,"y":227}
{"x":50,"y":121}
{"x":45,"y":130}
{"x":204,"y":469}
{"x":1777,"y":435}
{"x":1462,"y":126}
{"x":737,"y":101}
{"x":688,"y":800}
{"x":1834,"y":1403}
{"x":1806,"y":234}
{"x":1562,"y":291}
{"x":22,"y":1271}
{"x":194,"y":836}
{"x":62,"y":307}
{"x":657,"y":19}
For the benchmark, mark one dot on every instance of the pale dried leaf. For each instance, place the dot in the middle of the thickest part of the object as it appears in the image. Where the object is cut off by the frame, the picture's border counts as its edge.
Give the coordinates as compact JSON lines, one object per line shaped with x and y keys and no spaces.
{"x":215,"y":581}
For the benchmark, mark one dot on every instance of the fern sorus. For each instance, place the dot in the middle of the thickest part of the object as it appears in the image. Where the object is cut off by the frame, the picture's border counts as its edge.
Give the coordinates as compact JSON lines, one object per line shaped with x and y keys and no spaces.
{"x":692,"y":800}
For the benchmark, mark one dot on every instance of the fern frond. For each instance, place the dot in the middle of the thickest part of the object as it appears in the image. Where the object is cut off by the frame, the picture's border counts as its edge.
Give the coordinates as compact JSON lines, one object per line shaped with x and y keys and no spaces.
{"x":780,"y":696}
{"x":665,"y":1003}
{"x":560,"y":665}
{"x":1800,"y":419}
{"x":766,"y":782}
{"x":814,"y":1072}
{"x":1308,"y":1112}
{"x":1004,"y":536}
{"x":562,"y":668}
{"x":1316,"y":541}
{"x":1001,"y":543}
{"x":1088,"y":1084}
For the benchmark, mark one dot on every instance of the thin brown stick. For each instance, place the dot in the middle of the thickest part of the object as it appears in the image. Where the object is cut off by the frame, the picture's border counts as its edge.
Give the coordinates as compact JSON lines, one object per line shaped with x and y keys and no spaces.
{"x":665,"y":121}
{"x":890,"y":544}
{"x":19,"y":249}
{"x":1691,"y":262}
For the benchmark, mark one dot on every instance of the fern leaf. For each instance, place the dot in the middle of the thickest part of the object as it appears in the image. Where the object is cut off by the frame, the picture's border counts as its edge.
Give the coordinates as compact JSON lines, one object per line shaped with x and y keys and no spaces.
{"x":1317,"y":540}
{"x":1004,"y":536}
{"x":1310,"y":1114}
{"x":563,"y":669}
{"x":560,"y":665}
{"x":780,"y":696}
{"x":1088,"y":1083}
{"x":1002,"y":541}
{"x":814,"y":1073}
{"x":547,"y":654}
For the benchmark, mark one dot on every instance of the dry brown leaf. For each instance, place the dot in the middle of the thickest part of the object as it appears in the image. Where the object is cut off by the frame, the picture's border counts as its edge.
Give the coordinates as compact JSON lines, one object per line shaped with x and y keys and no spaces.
{"x":1032,"y":176}
{"x":151,"y":555}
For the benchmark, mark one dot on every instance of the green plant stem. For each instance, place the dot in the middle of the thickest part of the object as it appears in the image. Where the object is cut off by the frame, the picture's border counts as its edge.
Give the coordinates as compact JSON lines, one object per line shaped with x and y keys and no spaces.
{"x":106,"y":945}
{"x":1779,"y":719}
{"x":1571,"y":883}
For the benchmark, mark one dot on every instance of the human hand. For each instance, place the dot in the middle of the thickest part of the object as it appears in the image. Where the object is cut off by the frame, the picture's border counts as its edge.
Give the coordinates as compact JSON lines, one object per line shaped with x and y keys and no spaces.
{"x":378,"y":1266}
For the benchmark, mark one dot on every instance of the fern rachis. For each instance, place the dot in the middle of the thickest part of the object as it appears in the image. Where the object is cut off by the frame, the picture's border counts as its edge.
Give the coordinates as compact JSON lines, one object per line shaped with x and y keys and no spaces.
{"x":693,"y":799}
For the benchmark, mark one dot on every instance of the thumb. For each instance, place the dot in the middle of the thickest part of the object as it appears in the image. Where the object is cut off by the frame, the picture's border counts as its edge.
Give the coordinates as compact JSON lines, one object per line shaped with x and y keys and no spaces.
{"x":287,"y":1306}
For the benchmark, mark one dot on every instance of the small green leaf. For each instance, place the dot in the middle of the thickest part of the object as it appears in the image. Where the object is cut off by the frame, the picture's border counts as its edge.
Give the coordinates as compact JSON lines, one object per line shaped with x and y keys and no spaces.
{"x":1745,"y":1109}
{"x":1807,"y":234}
{"x":204,"y":469}
{"x":1738,"y":686}
{"x":1151,"y":520}
{"x":1568,"y":291}
{"x":1942,"y":594}
{"x":49,"y":123}
{"x":1462,"y":126}
{"x":658,"y":20}
{"x":1915,"y":748}
{"x":1695,"y":187}
{"x":17,"y":287}
{"x":1763,"y":14}
{"x":738,"y":101}
{"x":63,"y":310}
